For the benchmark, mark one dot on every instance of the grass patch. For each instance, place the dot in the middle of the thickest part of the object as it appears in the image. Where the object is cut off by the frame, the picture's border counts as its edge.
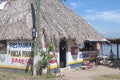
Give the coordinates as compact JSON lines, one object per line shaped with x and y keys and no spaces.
{"x":12,"y":76}
{"x":107,"y":77}
{"x":49,"y":77}
{"x":24,"y":76}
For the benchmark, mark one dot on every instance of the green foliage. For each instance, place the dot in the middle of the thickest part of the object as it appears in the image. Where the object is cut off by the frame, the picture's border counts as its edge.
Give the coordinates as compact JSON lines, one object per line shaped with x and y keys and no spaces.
{"x":45,"y":57}
{"x":49,"y":77}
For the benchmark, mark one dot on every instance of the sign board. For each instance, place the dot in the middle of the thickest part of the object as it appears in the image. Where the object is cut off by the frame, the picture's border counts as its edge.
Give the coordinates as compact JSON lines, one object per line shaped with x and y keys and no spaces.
{"x":89,"y":55}
{"x":19,"y":55}
{"x":74,"y":50}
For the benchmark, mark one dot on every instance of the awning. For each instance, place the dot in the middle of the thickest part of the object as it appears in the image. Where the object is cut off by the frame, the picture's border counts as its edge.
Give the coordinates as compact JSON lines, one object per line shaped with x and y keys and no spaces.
{"x":100,"y":41}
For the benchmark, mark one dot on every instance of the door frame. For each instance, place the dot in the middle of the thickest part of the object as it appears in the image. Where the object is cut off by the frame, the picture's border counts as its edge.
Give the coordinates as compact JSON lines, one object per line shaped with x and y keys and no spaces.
{"x":63,"y":57}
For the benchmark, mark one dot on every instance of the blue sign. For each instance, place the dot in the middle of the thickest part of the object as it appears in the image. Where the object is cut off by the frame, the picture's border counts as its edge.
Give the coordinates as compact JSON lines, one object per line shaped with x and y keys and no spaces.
{"x":21,"y":45}
{"x":34,"y":32}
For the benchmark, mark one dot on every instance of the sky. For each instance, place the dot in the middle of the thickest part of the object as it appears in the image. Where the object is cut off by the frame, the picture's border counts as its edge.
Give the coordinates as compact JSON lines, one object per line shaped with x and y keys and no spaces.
{"x":103,"y":15}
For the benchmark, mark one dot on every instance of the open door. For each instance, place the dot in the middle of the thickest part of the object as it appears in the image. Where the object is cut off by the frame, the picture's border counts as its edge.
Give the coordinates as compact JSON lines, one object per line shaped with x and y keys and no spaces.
{"x":62,"y":49}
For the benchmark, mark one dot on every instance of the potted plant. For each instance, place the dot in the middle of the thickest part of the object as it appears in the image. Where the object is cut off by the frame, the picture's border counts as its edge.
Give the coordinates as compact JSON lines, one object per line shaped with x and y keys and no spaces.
{"x":43,"y":64}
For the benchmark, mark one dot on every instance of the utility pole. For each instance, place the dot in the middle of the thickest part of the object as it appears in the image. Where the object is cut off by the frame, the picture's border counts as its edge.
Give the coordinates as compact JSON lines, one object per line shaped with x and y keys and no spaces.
{"x":36,"y":43}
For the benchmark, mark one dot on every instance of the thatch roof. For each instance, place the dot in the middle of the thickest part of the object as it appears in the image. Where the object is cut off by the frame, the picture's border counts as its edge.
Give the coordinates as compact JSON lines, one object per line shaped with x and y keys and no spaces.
{"x":58,"y":20}
{"x":114,"y":40}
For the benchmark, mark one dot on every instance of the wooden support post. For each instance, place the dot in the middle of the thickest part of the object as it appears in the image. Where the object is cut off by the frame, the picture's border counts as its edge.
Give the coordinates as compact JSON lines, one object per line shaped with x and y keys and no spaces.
{"x":101,"y":49}
{"x":117,"y":51}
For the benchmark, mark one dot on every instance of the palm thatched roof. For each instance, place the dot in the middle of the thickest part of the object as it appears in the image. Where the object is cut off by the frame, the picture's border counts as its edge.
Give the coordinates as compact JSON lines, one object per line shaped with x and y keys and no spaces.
{"x":114,"y":40}
{"x":16,"y":21}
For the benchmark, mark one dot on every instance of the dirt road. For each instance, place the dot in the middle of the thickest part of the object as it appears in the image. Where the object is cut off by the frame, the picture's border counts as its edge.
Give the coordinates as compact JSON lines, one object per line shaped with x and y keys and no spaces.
{"x":89,"y":74}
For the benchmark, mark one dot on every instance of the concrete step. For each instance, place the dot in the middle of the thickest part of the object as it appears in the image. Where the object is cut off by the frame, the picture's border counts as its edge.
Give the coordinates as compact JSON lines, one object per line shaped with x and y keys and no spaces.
{"x":65,"y":69}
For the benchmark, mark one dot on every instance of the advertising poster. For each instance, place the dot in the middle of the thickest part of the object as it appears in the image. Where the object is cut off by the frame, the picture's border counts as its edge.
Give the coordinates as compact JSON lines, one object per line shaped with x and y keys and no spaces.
{"x":19,"y":55}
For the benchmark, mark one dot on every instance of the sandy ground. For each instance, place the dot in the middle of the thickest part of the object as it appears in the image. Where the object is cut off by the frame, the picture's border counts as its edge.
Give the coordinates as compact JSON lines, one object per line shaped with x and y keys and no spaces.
{"x":79,"y":74}
{"x":69,"y":74}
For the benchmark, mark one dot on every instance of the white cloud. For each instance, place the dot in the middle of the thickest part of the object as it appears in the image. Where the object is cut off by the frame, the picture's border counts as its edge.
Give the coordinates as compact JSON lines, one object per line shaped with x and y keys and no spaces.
{"x":109,"y":16}
{"x":90,"y":11}
{"x":76,"y":4}
{"x":73,"y":4}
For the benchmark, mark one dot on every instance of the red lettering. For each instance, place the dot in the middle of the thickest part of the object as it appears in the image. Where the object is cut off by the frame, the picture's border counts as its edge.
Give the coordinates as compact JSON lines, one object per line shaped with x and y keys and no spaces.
{"x":16,"y":60}
{"x":12,"y":60}
{"x":21,"y":61}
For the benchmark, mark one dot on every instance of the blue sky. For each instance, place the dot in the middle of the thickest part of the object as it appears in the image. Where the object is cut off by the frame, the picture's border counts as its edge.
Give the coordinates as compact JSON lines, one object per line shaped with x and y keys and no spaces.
{"x":103,"y":15}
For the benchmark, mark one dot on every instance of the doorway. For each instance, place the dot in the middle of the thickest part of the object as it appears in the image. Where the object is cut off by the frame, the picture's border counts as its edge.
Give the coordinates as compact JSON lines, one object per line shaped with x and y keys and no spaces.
{"x":62,"y":49}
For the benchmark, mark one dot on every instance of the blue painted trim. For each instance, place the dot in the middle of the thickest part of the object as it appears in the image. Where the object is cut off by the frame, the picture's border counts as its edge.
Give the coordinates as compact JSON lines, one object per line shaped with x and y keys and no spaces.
{"x":76,"y":65}
{"x":55,"y":70}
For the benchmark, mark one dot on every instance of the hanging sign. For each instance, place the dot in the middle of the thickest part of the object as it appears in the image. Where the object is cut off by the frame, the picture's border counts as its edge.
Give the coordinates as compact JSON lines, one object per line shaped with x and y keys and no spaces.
{"x":33,"y":32}
{"x":74,"y":50}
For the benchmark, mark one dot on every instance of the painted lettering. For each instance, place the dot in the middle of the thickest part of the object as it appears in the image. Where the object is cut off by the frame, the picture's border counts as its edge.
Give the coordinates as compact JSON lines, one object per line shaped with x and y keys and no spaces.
{"x":15,"y":53}
{"x":21,"y":45}
{"x":20,"y":53}
{"x":21,"y":61}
